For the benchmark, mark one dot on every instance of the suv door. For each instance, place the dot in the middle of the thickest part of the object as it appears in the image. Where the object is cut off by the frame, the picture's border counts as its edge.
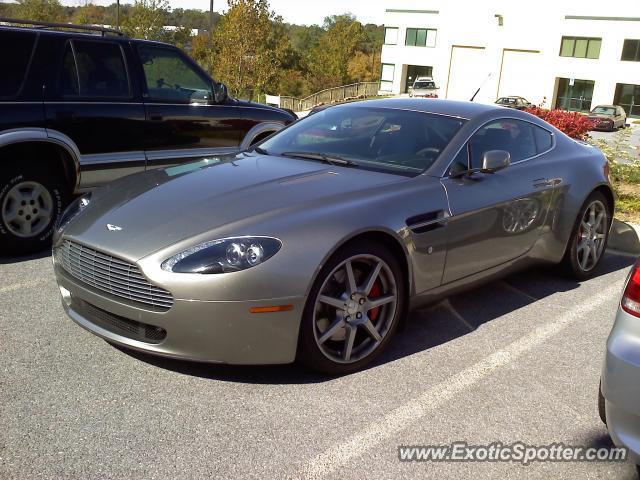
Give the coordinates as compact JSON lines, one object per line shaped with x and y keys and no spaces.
{"x":183,"y":121}
{"x":497,"y":217}
{"x":92,"y":98}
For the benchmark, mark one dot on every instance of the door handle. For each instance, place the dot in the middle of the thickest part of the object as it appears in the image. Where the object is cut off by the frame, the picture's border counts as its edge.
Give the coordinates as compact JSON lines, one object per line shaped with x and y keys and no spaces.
{"x":156,"y":118}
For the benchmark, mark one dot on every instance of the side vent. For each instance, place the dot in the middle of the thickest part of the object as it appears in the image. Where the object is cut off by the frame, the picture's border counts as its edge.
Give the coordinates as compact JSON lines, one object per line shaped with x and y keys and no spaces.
{"x":426,"y":222}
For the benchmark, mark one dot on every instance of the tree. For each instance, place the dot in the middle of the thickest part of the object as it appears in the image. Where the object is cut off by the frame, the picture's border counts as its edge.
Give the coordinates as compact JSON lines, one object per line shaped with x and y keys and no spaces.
{"x":40,"y":10}
{"x":250,"y":45}
{"x":360,"y":68}
{"x":330,"y":59}
{"x":90,"y":14}
{"x":146,"y":19}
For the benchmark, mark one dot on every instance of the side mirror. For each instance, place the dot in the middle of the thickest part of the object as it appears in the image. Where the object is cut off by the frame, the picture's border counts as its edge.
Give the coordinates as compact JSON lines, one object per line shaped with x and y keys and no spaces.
{"x":495,"y":160}
{"x":220,"y":93}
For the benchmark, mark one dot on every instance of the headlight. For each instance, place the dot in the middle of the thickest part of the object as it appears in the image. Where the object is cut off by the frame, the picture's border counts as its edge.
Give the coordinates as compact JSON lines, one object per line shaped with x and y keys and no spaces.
{"x":224,"y":255}
{"x":77,"y":206}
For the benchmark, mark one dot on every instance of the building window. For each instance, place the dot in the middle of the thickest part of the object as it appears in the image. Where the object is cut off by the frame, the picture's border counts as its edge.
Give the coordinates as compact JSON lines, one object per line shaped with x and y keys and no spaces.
{"x":386,"y":77}
{"x":580,"y":47}
{"x":631,"y":51}
{"x":628,"y":97}
{"x":421,"y":37}
{"x":391,"y":36}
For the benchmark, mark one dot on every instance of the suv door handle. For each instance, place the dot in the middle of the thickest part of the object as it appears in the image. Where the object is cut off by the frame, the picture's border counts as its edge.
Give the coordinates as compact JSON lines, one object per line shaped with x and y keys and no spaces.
{"x":156,"y":118}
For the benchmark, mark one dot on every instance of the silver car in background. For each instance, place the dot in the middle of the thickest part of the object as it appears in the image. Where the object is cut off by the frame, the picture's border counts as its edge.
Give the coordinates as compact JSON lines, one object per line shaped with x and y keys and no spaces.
{"x":315,"y":244}
{"x":619,"y":399}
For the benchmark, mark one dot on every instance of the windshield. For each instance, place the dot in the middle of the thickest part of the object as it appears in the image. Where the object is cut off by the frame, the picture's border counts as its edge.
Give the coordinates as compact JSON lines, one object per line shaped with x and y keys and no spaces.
{"x":604,"y":110}
{"x":424,"y":85}
{"x":390,"y":140}
{"x":507,"y":101}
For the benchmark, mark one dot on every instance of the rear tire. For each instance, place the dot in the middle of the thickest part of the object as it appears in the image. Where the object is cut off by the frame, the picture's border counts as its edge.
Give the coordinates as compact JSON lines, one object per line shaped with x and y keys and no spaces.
{"x":601,"y":405}
{"x":359,"y":312}
{"x":589,"y":238}
{"x":32,"y":198}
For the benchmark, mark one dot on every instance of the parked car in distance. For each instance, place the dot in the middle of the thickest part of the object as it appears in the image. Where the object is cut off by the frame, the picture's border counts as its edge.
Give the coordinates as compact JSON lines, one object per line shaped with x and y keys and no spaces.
{"x":608,"y":117}
{"x":314,"y":244}
{"x":519,"y":103}
{"x":81,"y":106}
{"x":424,"y":87}
{"x":620,"y":381}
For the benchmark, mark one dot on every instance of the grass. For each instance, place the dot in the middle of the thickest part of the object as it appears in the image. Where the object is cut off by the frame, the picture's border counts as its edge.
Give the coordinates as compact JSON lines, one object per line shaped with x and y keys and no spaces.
{"x":627,"y":201}
{"x":624,"y":174}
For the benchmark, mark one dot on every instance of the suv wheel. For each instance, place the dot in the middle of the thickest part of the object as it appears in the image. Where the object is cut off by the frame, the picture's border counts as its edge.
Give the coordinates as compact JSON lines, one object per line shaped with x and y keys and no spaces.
{"x":31,"y":201}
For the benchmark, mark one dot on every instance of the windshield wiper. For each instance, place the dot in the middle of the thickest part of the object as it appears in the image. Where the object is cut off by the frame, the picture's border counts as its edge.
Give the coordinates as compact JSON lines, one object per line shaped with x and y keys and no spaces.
{"x":330,"y":159}
{"x":260,"y":150}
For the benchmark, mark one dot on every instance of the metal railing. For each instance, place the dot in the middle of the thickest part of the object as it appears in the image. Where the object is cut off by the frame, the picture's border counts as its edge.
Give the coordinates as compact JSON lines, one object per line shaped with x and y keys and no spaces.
{"x":331,"y":95}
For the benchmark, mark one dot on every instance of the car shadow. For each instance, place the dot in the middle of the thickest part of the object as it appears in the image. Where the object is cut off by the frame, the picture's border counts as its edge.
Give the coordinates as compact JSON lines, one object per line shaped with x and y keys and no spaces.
{"x":25,"y":258}
{"x":425,"y":328}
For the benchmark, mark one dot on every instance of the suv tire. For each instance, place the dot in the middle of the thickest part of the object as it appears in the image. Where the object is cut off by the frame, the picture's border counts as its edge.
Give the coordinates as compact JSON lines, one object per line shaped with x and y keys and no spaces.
{"x":32,"y":198}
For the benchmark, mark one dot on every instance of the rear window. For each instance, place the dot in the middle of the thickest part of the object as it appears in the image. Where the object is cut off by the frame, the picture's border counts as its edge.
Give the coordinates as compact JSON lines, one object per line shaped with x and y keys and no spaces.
{"x":94,"y":69}
{"x":15,"y":61}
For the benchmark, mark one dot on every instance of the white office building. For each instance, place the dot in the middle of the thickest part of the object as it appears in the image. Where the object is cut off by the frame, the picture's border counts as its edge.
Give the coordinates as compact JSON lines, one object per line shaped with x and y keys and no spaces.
{"x":570,"y":54}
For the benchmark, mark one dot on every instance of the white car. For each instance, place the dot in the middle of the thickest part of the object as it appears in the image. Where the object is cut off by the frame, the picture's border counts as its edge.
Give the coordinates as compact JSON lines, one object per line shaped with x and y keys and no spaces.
{"x":424,"y":87}
{"x":619,"y":399}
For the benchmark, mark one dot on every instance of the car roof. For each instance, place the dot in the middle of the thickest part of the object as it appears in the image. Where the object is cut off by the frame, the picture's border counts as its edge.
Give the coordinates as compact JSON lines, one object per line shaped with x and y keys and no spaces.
{"x":604,"y":106}
{"x":453,"y":108}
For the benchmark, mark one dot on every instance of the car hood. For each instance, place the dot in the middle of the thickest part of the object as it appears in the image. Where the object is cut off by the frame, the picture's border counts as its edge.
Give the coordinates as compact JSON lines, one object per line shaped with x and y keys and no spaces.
{"x":600,"y":116}
{"x":156,"y":209}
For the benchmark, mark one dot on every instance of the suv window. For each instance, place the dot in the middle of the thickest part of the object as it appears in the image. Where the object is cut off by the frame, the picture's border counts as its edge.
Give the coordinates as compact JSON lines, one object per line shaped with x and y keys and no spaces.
{"x":15,"y":61}
{"x":94,"y":69}
{"x":170,"y":78}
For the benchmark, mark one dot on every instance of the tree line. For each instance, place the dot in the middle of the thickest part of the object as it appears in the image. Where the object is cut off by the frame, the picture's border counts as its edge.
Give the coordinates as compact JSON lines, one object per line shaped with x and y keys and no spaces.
{"x":251,"y":49}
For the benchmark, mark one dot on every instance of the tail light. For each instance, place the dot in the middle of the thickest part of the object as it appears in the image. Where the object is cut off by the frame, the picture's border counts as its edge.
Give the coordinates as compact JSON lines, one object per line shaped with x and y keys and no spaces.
{"x":631,"y":299}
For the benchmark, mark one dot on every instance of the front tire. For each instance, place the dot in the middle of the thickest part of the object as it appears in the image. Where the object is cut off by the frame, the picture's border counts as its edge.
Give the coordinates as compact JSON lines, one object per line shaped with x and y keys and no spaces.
{"x":32,"y":199}
{"x":589,"y":237}
{"x":353,"y":309}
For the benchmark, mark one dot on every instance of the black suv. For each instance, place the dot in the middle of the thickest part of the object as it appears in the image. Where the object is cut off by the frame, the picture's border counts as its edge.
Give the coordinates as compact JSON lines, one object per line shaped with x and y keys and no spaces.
{"x":81,"y":106}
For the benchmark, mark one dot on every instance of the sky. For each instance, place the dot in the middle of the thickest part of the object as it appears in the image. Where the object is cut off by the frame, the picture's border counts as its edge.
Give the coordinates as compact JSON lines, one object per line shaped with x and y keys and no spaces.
{"x":305,"y":12}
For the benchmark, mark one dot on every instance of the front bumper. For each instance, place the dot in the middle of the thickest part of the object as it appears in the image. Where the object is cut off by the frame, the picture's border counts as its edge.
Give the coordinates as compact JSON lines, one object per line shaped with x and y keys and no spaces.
{"x":604,"y":125}
{"x":621,"y":383}
{"x":205,"y":331}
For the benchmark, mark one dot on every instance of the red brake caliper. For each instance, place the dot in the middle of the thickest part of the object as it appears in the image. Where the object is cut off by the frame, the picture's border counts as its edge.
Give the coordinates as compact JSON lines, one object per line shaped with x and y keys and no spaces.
{"x":376,"y":291}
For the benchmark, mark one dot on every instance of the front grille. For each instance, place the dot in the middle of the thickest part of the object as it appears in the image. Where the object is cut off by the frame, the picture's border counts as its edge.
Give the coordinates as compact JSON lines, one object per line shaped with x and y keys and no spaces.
{"x":109,"y":274}
{"x":120,"y":325}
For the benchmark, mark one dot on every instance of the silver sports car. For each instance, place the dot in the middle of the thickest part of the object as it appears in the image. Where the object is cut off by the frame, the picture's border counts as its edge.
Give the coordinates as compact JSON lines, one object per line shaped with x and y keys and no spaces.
{"x":314,"y":244}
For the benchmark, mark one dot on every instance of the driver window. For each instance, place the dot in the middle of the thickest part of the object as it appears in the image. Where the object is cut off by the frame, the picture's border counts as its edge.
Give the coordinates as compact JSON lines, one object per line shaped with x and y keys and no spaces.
{"x":514,"y":136}
{"x":170,"y":78}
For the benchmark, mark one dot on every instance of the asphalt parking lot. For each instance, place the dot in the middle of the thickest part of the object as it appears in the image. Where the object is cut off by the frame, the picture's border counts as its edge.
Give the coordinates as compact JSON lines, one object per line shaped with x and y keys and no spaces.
{"x":518,"y":359}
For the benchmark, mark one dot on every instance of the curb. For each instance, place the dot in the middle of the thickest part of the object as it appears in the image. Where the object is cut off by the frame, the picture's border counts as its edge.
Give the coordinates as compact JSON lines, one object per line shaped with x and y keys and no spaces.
{"x":625,"y":237}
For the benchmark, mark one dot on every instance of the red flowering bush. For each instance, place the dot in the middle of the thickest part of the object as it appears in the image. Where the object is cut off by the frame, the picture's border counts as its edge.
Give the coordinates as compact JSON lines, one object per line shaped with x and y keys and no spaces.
{"x":574,"y":124}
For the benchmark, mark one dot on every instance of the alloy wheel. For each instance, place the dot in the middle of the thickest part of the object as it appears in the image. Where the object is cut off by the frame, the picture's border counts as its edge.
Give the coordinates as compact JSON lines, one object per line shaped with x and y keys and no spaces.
{"x":27,"y":209}
{"x":355,"y":308}
{"x":592,"y":235}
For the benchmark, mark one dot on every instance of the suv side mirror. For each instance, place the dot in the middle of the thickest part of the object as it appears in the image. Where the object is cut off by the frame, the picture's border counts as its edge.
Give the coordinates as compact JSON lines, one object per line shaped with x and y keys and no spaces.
{"x":220,"y":93}
{"x":495,"y":160}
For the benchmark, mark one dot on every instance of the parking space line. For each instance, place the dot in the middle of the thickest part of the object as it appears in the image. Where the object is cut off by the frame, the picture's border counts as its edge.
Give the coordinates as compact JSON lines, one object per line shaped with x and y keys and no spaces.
{"x":399,"y":419}
{"x":18,"y":286}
